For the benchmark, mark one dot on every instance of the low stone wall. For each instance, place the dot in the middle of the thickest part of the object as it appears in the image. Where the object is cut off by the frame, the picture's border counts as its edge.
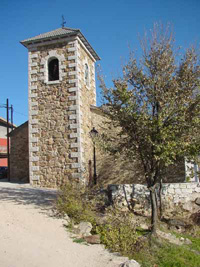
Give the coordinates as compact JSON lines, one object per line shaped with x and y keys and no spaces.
{"x":174,"y":195}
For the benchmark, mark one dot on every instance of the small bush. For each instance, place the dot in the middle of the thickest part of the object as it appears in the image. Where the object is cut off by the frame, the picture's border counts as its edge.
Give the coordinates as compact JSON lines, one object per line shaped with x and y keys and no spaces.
{"x":119,"y":233}
{"x":74,"y":202}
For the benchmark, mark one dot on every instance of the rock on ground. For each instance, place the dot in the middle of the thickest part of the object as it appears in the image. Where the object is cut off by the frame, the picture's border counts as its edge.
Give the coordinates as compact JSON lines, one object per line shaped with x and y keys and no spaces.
{"x":130,"y":263}
{"x":92,"y":239}
{"x":197,"y":201}
{"x":84,"y":228}
{"x":173,"y":239}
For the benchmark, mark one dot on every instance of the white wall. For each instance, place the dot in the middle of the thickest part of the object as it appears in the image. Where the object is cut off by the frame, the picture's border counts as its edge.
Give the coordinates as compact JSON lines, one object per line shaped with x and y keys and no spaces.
{"x":3,"y":131}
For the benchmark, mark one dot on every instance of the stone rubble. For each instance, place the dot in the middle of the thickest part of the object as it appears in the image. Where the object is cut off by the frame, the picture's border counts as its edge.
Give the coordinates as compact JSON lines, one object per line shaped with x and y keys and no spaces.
{"x":197,"y":201}
{"x":84,"y":229}
{"x":92,"y":239}
{"x":173,"y":239}
{"x":130,"y":263}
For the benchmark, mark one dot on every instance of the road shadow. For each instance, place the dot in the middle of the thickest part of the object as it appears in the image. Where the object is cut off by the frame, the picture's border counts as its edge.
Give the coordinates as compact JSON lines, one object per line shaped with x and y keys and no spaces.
{"x":24,"y":194}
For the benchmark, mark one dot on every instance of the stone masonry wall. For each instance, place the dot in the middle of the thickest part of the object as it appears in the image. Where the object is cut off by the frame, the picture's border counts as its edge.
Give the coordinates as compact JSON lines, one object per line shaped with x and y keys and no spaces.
{"x":87,"y":98}
{"x":58,"y":112}
{"x":48,"y":116}
{"x":173,"y":195}
{"x":19,"y":161}
{"x":112,"y":169}
{"x":120,"y":170}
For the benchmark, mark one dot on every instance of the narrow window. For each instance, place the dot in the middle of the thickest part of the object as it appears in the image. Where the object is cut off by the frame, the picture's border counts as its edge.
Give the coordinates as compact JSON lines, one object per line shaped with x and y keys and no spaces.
{"x":53,"y":69}
{"x":86,"y":74}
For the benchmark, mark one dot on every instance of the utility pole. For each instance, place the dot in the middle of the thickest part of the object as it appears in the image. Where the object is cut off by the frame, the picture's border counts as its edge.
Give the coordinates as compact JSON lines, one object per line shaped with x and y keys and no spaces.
{"x":8,"y":140}
{"x":12,"y":117}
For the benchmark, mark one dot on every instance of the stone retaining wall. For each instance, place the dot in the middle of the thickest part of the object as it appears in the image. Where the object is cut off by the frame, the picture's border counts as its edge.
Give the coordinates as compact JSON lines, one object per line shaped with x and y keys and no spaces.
{"x":173,"y":195}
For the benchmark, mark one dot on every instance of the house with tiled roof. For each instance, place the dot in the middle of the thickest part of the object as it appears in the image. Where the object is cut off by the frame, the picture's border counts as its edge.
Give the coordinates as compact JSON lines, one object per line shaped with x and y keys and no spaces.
{"x":3,"y":141}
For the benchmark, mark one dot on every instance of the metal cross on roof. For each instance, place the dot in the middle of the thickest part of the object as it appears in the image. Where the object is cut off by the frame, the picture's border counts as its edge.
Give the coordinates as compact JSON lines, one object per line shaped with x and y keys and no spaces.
{"x":63,"y":22}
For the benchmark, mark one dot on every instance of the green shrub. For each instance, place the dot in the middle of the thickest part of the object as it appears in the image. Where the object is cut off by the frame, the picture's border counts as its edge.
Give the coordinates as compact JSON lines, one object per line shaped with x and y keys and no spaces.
{"x":73,"y":201}
{"x":119,"y":233}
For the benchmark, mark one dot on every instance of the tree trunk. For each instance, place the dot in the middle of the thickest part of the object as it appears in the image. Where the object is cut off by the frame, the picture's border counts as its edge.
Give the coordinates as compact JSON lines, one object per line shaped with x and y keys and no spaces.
{"x":160,"y":198}
{"x":154,"y":213}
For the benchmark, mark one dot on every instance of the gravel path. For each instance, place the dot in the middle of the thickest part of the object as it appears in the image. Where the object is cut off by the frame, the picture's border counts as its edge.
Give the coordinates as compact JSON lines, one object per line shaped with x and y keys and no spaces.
{"x":31,"y":237}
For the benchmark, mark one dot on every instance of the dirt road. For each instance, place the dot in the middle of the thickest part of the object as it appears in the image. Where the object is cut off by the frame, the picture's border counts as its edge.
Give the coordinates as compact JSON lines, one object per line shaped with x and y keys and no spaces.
{"x":31,"y":237}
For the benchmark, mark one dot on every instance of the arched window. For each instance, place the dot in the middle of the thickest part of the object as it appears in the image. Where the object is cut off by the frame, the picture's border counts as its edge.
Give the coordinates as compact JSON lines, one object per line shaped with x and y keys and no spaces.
{"x":53,"y":69}
{"x":86,"y":74}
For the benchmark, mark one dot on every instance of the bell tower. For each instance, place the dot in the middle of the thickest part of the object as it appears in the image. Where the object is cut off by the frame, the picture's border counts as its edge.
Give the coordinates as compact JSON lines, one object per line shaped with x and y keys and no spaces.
{"x":61,"y":82}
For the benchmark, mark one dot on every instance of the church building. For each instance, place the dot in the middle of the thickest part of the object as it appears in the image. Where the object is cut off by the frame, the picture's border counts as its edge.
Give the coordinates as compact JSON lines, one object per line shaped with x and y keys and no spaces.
{"x":55,"y":143}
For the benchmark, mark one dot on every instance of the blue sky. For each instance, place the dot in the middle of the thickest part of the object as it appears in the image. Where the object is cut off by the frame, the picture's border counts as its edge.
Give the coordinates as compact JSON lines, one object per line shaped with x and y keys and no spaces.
{"x":110,"y":26}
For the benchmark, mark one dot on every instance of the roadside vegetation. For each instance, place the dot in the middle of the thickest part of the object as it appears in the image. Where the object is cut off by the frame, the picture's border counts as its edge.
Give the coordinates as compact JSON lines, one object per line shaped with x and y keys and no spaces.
{"x":120,"y":231}
{"x":155,"y":111}
{"x":155,"y":105}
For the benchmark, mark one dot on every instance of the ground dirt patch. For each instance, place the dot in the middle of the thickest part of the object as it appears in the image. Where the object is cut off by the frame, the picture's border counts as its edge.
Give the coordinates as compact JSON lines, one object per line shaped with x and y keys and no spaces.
{"x":31,"y":236}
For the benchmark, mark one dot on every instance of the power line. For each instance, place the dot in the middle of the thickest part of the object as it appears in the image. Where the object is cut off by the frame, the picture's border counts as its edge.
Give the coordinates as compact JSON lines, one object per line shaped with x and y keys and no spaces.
{"x":13,"y":110}
{"x":25,"y":115}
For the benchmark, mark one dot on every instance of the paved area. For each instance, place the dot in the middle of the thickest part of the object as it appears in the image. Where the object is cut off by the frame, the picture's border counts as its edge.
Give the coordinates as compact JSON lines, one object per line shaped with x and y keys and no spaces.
{"x":31,"y":237}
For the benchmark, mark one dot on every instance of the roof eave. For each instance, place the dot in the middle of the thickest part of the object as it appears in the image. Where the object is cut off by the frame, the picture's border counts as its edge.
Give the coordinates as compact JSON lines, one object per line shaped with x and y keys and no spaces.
{"x":78,"y":33}
{"x":29,"y":42}
{"x":2,"y":120}
{"x":89,"y":47}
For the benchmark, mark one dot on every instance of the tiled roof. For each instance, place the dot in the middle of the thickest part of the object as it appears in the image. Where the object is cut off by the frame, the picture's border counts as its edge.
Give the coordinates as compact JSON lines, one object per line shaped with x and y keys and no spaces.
{"x":55,"y":33}
{"x":60,"y":33}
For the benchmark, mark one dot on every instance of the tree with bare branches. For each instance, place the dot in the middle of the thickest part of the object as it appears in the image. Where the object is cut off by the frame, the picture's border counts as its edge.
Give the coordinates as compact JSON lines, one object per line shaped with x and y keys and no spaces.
{"x":156,"y":107}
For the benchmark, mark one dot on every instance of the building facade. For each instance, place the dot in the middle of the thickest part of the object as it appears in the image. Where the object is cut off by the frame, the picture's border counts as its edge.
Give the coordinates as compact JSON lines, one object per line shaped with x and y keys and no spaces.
{"x":61,"y":70}
{"x":3,"y":141}
{"x":62,"y":112}
{"x":19,"y":155}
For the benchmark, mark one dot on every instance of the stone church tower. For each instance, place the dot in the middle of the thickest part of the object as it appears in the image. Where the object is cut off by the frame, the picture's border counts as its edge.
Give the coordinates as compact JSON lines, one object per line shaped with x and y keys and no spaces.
{"x":61,"y":71}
